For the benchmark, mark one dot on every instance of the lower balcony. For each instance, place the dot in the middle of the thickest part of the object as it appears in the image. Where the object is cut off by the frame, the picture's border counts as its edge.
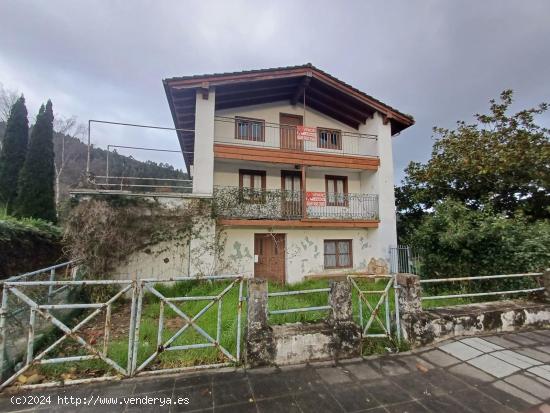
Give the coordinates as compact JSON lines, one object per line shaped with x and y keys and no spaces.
{"x":282,"y":205}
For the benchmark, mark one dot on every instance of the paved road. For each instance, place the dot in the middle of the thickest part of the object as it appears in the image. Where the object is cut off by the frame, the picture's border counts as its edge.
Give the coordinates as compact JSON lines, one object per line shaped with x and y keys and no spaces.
{"x":498,"y":373}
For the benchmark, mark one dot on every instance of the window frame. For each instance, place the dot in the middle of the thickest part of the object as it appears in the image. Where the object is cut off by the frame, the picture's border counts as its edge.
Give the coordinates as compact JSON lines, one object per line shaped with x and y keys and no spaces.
{"x":338,"y":145}
{"x":337,"y":253}
{"x":252,"y":172}
{"x":343,"y":178}
{"x":250,"y":121}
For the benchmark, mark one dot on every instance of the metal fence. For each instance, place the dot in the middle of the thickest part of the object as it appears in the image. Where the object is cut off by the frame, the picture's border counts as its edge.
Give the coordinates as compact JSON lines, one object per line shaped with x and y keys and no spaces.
{"x":129,"y":301}
{"x":236,"y":202}
{"x":294,"y":293}
{"x":468,"y":280}
{"x":404,"y":260}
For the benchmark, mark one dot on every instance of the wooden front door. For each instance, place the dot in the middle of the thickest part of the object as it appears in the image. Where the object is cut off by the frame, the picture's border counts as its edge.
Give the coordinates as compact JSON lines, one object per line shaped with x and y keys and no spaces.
{"x":291,"y":199}
{"x":269,"y":257}
{"x":287,"y":127}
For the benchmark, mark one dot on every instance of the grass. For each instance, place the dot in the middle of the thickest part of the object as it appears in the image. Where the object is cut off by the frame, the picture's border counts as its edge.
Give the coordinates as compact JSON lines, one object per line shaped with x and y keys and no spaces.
{"x":208,"y":321}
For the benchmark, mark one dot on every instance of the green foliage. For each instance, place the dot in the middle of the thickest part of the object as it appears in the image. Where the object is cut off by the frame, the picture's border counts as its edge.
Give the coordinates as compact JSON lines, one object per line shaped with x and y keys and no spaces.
{"x":500,"y":161}
{"x":12,"y":227}
{"x":36,"y":195}
{"x":458,"y":241}
{"x":12,"y":155}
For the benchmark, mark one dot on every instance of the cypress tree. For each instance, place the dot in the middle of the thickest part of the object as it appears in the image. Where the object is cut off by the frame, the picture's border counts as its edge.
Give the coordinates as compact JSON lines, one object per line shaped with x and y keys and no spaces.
{"x":36,"y":195}
{"x":12,"y":155}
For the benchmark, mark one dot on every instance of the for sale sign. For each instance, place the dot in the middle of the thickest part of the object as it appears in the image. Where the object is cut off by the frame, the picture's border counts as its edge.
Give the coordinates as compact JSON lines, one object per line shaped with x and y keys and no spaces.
{"x":316,"y":198}
{"x":306,"y":133}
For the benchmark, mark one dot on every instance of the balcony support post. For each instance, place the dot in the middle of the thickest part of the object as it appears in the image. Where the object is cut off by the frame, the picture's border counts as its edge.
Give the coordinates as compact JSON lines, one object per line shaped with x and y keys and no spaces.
{"x":304,"y":206}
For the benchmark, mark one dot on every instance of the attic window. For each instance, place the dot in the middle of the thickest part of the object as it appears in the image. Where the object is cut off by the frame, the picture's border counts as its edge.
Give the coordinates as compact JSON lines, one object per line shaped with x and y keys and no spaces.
{"x":249,"y":129}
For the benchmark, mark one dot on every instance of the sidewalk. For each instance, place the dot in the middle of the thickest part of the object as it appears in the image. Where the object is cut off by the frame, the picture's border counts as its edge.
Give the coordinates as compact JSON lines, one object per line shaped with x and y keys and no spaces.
{"x":498,"y":373}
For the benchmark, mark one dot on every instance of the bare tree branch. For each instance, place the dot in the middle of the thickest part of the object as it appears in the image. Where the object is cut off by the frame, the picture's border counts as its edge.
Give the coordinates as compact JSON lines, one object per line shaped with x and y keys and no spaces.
{"x":7,"y":99}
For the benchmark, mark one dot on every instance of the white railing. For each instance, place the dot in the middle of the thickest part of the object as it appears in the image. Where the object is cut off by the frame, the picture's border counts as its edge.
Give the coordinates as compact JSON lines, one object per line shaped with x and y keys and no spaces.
{"x":484,"y":293}
{"x":279,"y":136}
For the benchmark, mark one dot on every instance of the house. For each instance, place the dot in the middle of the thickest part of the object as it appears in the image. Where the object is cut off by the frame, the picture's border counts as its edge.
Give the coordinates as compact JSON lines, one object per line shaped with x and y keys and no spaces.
{"x":301,"y":166}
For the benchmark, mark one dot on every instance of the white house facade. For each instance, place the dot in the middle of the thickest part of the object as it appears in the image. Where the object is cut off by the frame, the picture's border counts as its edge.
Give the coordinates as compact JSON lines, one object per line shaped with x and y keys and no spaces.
{"x":300,"y":166}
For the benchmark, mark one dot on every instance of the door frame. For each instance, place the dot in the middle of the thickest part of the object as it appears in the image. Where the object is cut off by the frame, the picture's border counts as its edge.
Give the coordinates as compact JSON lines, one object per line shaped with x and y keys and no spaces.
{"x":282,"y":125}
{"x":283,"y":275}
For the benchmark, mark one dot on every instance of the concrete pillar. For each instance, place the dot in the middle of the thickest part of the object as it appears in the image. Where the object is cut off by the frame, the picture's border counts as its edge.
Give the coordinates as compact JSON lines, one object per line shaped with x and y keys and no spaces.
{"x":381,"y":181}
{"x":260,"y":345}
{"x":203,"y":165}
{"x":545,"y":282}
{"x":410,"y":307}
{"x":410,"y":294}
{"x":340,"y":300}
{"x":346,"y":334}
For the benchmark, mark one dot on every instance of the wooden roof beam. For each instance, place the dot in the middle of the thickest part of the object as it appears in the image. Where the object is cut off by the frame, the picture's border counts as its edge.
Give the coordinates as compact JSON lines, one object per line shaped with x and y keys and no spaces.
{"x":300,"y":90}
{"x":334,"y":112}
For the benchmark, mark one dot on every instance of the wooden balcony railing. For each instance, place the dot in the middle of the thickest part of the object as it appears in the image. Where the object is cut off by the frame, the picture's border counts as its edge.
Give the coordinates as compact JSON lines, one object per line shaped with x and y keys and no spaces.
{"x":277,"y":204}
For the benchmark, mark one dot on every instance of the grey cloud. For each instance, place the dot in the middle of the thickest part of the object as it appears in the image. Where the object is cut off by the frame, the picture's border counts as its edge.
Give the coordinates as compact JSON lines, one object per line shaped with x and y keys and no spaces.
{"x":438,"y":60}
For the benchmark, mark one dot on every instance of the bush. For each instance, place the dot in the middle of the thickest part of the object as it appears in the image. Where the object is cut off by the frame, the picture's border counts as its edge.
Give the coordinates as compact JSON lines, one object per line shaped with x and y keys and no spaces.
{"x":27,"y":244}
{"x":457,"y":241}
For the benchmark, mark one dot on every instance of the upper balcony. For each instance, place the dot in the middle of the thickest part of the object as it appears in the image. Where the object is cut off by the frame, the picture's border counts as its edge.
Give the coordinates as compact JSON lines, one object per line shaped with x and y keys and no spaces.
{"x":252,"y":139}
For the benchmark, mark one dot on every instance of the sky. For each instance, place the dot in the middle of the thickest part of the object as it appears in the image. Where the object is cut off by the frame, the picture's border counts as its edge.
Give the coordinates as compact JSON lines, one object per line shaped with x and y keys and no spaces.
{"x":438,"y":60}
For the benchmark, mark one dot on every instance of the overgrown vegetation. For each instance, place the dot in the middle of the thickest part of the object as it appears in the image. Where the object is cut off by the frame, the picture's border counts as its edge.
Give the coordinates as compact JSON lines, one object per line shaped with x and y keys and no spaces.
{"x":27,"y":244}
{"x":481,"y":204}
{"x":104,"y":232}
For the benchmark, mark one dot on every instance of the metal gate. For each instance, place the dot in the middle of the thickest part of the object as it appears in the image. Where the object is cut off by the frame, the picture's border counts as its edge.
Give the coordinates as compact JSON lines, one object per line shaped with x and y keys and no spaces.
{"x":190,"y":323}
{"x":371,"y":319}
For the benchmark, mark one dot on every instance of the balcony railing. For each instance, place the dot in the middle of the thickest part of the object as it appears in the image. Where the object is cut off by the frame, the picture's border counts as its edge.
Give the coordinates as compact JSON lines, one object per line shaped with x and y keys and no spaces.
{"x":257,"y":133}
{"x":245,"y":203}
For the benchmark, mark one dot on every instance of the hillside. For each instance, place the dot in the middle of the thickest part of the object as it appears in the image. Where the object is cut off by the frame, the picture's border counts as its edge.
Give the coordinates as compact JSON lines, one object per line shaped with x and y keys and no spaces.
{"x":119,"y":165}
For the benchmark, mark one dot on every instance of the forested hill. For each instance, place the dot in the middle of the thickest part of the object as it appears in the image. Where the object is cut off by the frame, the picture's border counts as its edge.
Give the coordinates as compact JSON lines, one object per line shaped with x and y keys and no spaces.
{"x":119,"y":165}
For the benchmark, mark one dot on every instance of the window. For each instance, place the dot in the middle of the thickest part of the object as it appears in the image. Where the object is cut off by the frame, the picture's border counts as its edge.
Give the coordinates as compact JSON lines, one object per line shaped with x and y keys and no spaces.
{"x":329,"y":139}
{"x":338,"y":254}
{"x":249,"y":129}
{"x":337,"y":190}
{"x":252,"y":185}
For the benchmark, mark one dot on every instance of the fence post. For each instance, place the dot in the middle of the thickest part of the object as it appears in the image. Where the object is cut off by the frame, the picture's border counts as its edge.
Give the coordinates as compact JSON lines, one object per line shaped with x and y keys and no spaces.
{"x":409,"y":302}
{"x":260,"y":345}
{"x":545,"y":281}
{"x":346,"y":334}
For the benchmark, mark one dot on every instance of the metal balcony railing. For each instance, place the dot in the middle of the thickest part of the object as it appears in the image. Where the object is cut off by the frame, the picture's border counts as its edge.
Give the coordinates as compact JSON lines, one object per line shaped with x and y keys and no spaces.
{"x":258,"y":133}
{"x":246,"y":203}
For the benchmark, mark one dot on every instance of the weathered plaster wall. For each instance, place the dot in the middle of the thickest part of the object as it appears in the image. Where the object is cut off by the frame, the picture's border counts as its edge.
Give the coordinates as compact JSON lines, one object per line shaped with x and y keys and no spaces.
{"x":304,"y":249}
{"x":162,"y":261}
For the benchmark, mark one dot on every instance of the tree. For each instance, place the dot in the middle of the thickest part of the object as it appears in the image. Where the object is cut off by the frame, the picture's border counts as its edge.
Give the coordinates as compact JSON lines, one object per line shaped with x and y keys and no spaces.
{"x":457,"y":240}
{"x":8,"y":98}
{"x":35,"y":196}
{"x":12,"y":155}
{"x":65,"y":128}
{"x":500,"y":161}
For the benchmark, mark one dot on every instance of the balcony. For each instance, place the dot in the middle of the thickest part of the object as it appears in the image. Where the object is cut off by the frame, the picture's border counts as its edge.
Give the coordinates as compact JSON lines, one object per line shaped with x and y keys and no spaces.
{"x":256,"y":133}
{"x":277,"y":204}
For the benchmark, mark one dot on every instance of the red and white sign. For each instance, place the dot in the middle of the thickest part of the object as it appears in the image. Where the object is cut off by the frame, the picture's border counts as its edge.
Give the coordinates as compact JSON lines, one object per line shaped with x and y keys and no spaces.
{"x":316,"y":198}
{"x":306,"y":133}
